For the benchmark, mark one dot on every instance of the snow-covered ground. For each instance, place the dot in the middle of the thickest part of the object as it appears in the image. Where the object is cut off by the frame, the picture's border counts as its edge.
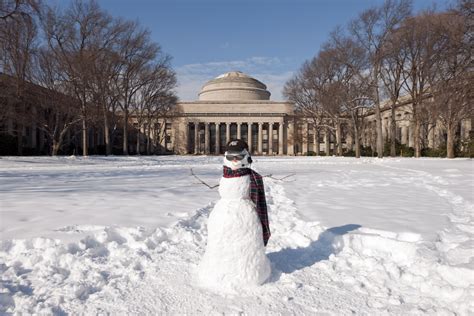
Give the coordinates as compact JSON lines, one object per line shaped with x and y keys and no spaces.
{"x":124,"y":235}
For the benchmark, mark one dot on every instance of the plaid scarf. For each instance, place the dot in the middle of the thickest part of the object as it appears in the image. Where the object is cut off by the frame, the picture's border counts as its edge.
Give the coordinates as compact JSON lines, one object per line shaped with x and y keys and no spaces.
{"x":257,"y":195}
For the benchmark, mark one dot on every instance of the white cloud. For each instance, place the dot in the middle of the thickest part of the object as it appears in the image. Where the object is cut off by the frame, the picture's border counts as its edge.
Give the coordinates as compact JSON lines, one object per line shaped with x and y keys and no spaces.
{"x":270,"y":70}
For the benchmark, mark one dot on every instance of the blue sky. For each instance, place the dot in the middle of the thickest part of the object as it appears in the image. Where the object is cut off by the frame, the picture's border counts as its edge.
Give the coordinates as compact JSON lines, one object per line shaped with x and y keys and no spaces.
{"x":267,"y":39}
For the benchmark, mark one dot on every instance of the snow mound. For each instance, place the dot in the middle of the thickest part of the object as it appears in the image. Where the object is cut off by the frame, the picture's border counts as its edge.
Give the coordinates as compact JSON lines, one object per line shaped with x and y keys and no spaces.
{"x":39,"y":275}
{"x":383,"y":267}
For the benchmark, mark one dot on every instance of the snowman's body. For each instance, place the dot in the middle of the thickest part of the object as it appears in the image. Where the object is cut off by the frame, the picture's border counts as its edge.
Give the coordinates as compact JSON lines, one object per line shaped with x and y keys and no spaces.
{"x":235,"y":253}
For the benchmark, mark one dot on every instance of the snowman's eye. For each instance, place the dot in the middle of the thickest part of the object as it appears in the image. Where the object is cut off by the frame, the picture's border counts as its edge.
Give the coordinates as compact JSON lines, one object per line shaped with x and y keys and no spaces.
{"x":234,"y":157}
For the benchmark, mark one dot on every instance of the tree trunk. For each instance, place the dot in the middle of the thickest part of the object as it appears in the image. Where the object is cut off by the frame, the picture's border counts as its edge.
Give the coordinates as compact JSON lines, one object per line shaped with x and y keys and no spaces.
{"x":416,"y":137}
{"x":328,"y":145}
{"x":58,"y":141}
{"x":84,"y":137}
{"x":378,"y":127}
{"x":450,"y":141}
{"x":393,"y":132}
{"x":148,"y":142}
{"x":356,"y":142}
{"x":108,"y":147}
{"x":125,"y":133}
{"x":339,"y":138}
{"x":316,"y":142}
{"x":19,"y":137}
{"x":56,"y":146}
{"x":138,"y":140}
{"x":378,"y":119}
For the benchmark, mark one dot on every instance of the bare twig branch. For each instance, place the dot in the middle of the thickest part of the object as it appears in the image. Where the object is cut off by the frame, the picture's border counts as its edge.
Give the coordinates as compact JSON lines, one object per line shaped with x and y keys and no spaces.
{"x":216,"y":185}
{"x":203,"y":182}
{"x":279,"y":179}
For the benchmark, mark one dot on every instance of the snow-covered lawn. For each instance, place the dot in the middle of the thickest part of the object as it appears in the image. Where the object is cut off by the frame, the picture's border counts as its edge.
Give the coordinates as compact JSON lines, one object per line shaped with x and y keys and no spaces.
{"x":124,"y":235}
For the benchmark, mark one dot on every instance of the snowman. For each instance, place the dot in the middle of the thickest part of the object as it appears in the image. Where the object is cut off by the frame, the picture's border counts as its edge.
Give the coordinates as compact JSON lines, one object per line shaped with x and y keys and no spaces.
{"x":238,"y":228}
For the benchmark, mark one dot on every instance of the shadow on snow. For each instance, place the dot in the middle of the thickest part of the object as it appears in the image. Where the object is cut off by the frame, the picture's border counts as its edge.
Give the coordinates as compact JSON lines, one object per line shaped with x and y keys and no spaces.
{"x":289,"y":260}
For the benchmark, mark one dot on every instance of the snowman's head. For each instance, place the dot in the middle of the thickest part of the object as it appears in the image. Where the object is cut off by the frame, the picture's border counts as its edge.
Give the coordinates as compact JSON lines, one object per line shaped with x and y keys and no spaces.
{"x":237,"y":155}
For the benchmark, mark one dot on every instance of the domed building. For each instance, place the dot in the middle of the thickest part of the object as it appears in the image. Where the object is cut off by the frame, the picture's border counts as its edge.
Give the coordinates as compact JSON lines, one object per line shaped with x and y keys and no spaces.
{"x":231,"y":106}
{"x":235,"y":86}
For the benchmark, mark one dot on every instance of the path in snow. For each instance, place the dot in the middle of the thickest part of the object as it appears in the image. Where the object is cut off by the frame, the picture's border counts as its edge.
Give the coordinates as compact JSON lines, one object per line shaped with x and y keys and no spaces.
{"x":341,"y":270}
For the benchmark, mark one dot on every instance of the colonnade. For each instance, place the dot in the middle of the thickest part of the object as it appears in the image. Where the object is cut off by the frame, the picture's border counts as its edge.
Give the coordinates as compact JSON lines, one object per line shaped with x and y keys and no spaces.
{"x":261,"y":137}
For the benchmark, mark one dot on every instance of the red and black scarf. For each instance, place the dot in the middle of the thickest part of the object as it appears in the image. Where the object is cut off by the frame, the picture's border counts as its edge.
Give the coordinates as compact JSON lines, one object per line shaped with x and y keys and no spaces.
{"x":257,"y":195}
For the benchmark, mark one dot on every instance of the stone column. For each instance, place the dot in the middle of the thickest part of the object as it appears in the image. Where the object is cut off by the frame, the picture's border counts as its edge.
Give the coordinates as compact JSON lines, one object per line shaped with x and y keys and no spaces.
{"x":349,"y":142}
{"x":190,"y":149}
{"x":260,"y":134}
{"x":249,"y":136}
{"x":305,"y":139}
{"x":411,"y":135}
{"x":316,"y":141}
{"x":270,"y":138}
{"x":227,"y":133}
{"x":218,"y":138}
{"x":206,"y":138}
{"x":180,"y":137}
{"x":385,"y":131}
{"x":404,"y":136}
{"x":188,"y":146}
{"x":196,"y":137}
{"x":437,"y":136}
{"x":291,"y":138}
{"x":280,"y":138}
{"x":431,"y":136}
{"x":239,"y":130}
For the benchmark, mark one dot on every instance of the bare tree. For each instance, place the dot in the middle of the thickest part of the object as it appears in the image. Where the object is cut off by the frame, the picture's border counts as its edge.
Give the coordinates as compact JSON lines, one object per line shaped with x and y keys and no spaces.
{"x":391,"y":73}
{"x":105,"y":72}
{"x":76,"y":37}
{"x":372,"y":29}
{"x":302,"y":89}
{"x":155,"y":99}
{"x":18,"y":35}
{"x":137,"y":52}
{"x":319,"y":90}
{"x":353,"y":84}
{"x":162,"y":110}
{"x":419,"y":41}
{"x":451,"y":85}
{"x":18,"y":9}
{"x":56,"y":113}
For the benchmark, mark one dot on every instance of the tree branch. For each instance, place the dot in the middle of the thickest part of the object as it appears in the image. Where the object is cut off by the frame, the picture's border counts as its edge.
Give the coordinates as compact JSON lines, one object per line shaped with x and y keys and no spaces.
{"x":201,"y":181}
{"x":216,"y":185}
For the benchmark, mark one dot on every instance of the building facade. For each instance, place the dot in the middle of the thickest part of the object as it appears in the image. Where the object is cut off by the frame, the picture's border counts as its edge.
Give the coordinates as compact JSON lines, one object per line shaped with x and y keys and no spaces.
{"x":237,"y":106}
{"x":234,"y":106}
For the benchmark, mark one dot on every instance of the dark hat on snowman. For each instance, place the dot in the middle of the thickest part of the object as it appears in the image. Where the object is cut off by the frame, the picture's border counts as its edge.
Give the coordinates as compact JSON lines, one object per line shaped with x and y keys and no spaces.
{"x":237,"y":146}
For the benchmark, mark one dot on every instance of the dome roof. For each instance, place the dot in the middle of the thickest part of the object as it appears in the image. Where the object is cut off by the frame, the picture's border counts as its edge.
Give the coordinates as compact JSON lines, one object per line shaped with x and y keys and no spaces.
{"x":234,"y":86}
